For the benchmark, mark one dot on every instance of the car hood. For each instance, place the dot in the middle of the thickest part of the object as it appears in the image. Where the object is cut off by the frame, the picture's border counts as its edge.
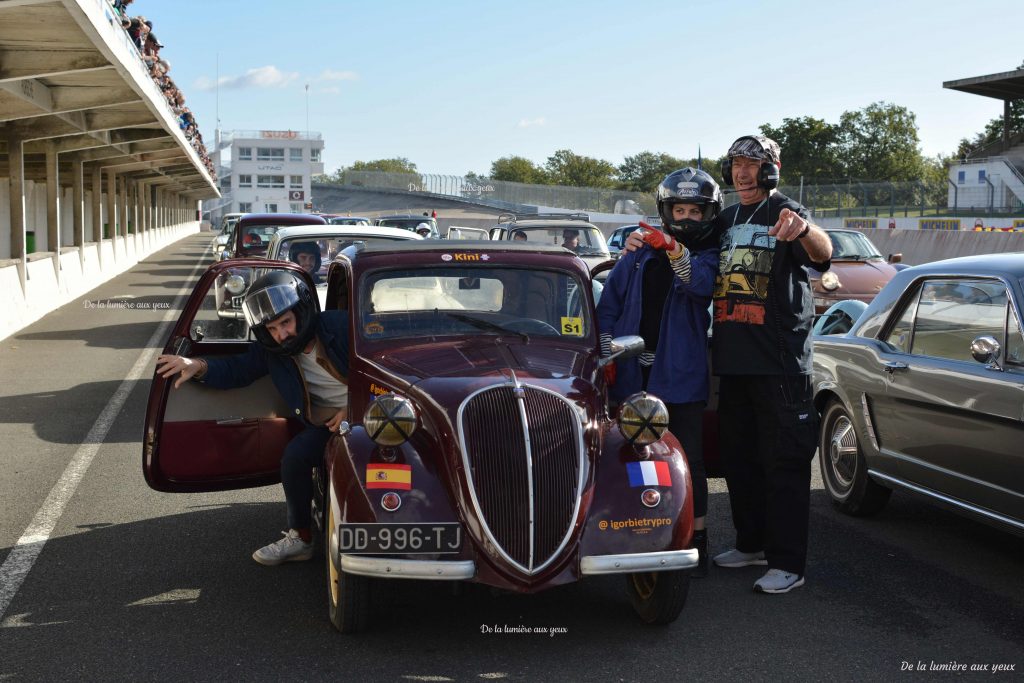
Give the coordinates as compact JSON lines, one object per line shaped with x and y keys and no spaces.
{"x":861,"y":276}
{"x":483,"y":357}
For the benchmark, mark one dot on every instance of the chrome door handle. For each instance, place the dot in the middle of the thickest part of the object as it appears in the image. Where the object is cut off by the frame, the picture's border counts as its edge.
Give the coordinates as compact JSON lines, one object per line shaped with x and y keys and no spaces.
{"x":891,"y":366}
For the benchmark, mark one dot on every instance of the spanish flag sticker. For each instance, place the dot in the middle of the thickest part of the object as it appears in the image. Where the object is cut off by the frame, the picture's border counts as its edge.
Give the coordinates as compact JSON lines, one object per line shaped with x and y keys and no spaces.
{"x":382,"y":475}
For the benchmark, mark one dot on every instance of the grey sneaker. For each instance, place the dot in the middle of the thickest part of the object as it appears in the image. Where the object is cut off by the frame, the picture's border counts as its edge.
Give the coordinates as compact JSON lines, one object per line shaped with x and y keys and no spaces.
{"x":778,"y":581}
{"x":738,"y":558}
{"x":291,"y":548}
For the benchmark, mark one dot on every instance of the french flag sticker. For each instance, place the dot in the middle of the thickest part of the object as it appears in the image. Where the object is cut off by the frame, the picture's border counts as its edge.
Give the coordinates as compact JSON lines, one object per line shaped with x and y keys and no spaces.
{"x":649,"y":473}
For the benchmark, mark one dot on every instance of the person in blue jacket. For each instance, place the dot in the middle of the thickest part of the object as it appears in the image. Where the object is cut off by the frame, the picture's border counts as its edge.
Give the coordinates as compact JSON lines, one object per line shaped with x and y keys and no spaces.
{"x":305,"y":352}
{"x":661,"y":289}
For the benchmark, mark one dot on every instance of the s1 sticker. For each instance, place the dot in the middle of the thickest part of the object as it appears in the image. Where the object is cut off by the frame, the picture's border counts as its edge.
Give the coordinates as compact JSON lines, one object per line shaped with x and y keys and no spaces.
{"x":572,"y":327}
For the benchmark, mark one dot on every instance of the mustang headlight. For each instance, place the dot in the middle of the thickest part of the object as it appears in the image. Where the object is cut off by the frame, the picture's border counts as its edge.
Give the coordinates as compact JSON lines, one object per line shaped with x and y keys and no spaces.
{"x":390,"y":420}
{"x":235,"y":284}
{"x":643,"y":418}
{"x":830,"y":281}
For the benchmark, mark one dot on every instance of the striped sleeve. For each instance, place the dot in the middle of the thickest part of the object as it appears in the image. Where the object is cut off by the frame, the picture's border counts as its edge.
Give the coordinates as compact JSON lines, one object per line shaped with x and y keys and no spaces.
{"x":681,"y":266}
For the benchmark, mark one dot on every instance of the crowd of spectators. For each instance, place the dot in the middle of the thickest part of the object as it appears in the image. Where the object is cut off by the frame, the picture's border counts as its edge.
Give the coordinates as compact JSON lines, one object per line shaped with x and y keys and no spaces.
{"x":140,"y":30}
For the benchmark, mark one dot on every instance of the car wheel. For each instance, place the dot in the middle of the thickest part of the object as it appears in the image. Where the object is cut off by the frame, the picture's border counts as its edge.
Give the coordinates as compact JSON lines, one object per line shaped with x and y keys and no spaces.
{"x":658,"y":597}
{"x":348,"y":596}
{"x":843,"y":467}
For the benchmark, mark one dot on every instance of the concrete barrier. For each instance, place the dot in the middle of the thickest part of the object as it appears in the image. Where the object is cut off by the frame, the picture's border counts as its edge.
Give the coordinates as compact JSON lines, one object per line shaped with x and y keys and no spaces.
{"x":53,"y":280}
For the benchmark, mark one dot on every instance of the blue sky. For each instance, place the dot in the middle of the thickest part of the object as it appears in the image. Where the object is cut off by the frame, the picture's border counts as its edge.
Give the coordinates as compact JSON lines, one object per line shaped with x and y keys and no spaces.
{"x":455,"y":85}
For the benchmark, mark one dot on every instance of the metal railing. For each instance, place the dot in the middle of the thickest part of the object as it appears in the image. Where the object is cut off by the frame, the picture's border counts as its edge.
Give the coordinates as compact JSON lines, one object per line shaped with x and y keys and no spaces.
{"x":504,"y":194}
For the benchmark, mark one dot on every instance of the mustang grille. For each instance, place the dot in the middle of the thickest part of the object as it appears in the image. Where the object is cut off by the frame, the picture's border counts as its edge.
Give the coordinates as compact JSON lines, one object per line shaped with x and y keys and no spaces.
{"x":512,"y":483}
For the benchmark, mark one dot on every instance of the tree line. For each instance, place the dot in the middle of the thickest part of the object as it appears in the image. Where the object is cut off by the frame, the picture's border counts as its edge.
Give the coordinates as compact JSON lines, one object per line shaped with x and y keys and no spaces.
{"x":878,"y":143}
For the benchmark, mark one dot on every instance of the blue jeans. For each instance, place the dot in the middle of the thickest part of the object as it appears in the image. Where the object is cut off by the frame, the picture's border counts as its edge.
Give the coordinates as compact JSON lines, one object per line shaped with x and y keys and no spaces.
{"x":304,"y":452}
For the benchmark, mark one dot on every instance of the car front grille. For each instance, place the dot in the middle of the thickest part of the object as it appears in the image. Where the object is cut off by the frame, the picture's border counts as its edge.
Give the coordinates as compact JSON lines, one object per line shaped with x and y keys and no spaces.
{"x":523,"y":452}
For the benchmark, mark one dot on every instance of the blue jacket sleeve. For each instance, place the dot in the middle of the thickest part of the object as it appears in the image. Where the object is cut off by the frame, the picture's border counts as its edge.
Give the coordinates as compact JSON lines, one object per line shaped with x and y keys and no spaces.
{"x":239,"y":370}
{"x":609,"y":308}
{"x":703,"y":272}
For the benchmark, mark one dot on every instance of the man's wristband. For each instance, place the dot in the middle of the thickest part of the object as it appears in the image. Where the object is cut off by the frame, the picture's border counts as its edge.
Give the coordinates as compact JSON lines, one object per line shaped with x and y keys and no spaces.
{"x":803,"y":233}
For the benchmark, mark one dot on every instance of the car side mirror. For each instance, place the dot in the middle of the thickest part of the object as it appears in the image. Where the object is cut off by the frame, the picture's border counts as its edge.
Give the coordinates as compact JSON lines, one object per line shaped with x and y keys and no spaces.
{"x":895,"y":258}
{"x":629,"y":346}
{"x":198,"y":333}
{"x":986,"y":349}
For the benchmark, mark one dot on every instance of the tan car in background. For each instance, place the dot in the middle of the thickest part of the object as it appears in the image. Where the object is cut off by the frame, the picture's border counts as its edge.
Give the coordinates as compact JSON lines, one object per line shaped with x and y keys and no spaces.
{"x":858,"y":271}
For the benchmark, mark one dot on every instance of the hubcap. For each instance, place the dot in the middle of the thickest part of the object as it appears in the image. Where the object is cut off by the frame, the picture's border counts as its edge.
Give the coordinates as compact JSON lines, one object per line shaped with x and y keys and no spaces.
{"x":842,"y":452}
{"x":644,"y":584}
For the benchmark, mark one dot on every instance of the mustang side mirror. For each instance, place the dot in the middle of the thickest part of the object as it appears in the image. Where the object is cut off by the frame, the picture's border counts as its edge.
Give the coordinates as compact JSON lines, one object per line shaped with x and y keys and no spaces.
{"x":624,"y":347}
{"x":895,"y":258}
{"x":986,"y":349}
{"x":198,"y":332}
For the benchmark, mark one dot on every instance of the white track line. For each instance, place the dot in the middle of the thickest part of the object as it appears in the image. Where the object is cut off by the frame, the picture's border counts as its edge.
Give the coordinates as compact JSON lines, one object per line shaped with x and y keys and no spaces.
{"x":26,"y":551}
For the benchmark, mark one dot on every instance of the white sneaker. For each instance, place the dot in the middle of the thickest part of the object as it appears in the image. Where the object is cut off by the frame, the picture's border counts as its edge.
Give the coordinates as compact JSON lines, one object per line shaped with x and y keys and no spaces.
{"x":778,"y":581}
{"x":291,"y":548}
{"x":738,"y":558}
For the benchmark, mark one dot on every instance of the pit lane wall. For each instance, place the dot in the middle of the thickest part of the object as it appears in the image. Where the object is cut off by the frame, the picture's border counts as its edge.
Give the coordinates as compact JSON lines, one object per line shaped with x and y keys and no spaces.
{"x":923,"y":240}
{"x":51,"y":280}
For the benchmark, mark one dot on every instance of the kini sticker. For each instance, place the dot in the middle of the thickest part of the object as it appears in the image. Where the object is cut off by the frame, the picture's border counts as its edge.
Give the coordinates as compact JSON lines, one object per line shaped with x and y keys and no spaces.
{"x":383,"y":475}
{"x":649,"y":473}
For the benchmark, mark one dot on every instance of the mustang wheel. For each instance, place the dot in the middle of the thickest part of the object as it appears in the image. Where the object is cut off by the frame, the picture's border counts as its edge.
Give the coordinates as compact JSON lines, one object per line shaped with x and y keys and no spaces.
{"x":658,"y":597}
{"x":348,"y":596}
{"x":843,"y":468}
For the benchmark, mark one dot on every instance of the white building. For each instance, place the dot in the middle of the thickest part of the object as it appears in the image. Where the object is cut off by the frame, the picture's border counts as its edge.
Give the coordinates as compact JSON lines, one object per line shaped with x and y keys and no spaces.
{"x":266,"y":171}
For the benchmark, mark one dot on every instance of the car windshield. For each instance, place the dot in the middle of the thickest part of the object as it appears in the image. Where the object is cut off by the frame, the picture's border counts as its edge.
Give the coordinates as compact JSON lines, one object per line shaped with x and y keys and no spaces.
{"x":852,"y":246}
{"x":304,"y":250}
{"x":405,"y":223}
{"x":460,"y":300}
{"x":256,"y":238}
{"x":348,"y":220}
{"x":585,"y":241}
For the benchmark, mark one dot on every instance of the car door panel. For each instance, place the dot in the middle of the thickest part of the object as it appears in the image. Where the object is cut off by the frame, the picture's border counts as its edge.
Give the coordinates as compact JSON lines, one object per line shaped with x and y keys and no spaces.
{"x":198,"y":438}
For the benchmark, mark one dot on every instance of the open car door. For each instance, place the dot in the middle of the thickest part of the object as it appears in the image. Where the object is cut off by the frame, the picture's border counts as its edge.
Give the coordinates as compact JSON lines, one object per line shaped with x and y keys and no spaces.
{"x":198,"y":438}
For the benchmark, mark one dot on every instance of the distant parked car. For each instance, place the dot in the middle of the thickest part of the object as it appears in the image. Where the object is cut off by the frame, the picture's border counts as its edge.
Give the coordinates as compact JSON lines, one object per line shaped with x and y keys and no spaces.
{"x":253,"y":231}
{"x":552,"y":229}
{"x":617,"y":241}
{"x":409,"y":221}
{"x":924,"y":394}
{"x":858,"y":270}
{"x":349,"y":220}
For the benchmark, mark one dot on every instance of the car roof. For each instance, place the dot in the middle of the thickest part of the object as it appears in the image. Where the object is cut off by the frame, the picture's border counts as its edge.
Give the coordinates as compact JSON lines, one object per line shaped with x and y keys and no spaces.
{"x":283,"y":218}
{"x":1011,"y":264}
{"x":545,"y":223}
{"x":344,"y":231}
{"x":405,"y":215}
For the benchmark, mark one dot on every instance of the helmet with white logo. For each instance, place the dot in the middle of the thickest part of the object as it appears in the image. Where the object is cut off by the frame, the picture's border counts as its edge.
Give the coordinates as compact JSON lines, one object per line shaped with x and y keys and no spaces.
{"x":689,"y":186}
{"x":423,"y":229}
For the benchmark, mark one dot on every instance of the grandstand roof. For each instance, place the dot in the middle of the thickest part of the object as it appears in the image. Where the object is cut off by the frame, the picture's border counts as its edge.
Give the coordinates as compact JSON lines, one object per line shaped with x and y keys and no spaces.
{"x":1008,"y":85}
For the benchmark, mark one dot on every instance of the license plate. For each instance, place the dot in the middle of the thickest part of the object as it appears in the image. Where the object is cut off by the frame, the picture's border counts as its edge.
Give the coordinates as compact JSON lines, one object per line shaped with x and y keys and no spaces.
{"x":236,"y":302}
{"x":399,"y":539}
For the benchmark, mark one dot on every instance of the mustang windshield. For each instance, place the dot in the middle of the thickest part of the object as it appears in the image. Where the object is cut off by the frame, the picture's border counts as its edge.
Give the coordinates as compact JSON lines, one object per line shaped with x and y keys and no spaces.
{"x":487,"y":300}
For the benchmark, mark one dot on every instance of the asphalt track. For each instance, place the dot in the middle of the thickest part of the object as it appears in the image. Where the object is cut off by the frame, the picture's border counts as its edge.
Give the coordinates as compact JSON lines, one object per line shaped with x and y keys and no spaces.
{"x":126,"y":583}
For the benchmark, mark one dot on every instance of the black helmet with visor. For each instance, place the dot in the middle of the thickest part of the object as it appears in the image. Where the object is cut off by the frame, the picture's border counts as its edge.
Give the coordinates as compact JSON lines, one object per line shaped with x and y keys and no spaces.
{"x":271,"y":296}
{"x":689,"y":186}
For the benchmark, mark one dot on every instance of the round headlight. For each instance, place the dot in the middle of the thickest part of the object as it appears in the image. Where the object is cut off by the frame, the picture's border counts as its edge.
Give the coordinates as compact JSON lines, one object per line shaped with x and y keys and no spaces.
{"x":390,"y":420}
{"x":830,"y":280}
{"x":235,"y":284}
{"x":643,"y":418}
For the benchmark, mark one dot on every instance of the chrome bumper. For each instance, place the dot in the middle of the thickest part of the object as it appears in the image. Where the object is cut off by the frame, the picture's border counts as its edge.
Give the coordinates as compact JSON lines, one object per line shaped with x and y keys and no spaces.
{"x":434,"y":570}
{"x":668,"y":560}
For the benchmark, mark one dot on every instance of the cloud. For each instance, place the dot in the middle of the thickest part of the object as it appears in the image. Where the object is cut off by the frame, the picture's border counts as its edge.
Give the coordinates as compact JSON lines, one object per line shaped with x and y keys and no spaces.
{"x":528,"y":123}
{"x":260,"y":77}
{"x":329,"y":75}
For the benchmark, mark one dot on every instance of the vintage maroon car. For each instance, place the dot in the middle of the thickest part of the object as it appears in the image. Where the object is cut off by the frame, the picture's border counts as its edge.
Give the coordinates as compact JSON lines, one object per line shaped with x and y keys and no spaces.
{"x":250,"y":238}
{"x":479,"y":446}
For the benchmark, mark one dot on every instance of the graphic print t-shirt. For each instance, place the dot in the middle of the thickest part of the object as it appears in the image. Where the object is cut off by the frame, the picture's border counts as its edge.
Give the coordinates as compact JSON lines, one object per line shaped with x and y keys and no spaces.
{"x":763,"y":308}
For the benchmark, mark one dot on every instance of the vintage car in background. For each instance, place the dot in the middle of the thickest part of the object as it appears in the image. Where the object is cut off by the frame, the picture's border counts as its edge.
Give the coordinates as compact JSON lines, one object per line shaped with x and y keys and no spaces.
{"x":617,"y":240}
{"x":858,"y":271}
{"x":478,"y":447}
{"x":925,"y":393}
{"x":551,"y":229}
{"x":458,"y":232}
{"x":226,"y":229}
{"x":409,"y":221}
{"x":349,"y":220}
{"x":251,"y":237}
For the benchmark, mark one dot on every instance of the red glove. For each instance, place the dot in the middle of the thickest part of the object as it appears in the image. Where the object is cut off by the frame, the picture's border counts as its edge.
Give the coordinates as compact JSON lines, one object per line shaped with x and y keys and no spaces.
{"x":609,"y":374}
{"x":657,"y":239}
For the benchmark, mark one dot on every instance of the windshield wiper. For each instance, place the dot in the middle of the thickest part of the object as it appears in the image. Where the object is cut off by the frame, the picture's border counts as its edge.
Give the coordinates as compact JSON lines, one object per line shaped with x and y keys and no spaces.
{"x":482,"y":324}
